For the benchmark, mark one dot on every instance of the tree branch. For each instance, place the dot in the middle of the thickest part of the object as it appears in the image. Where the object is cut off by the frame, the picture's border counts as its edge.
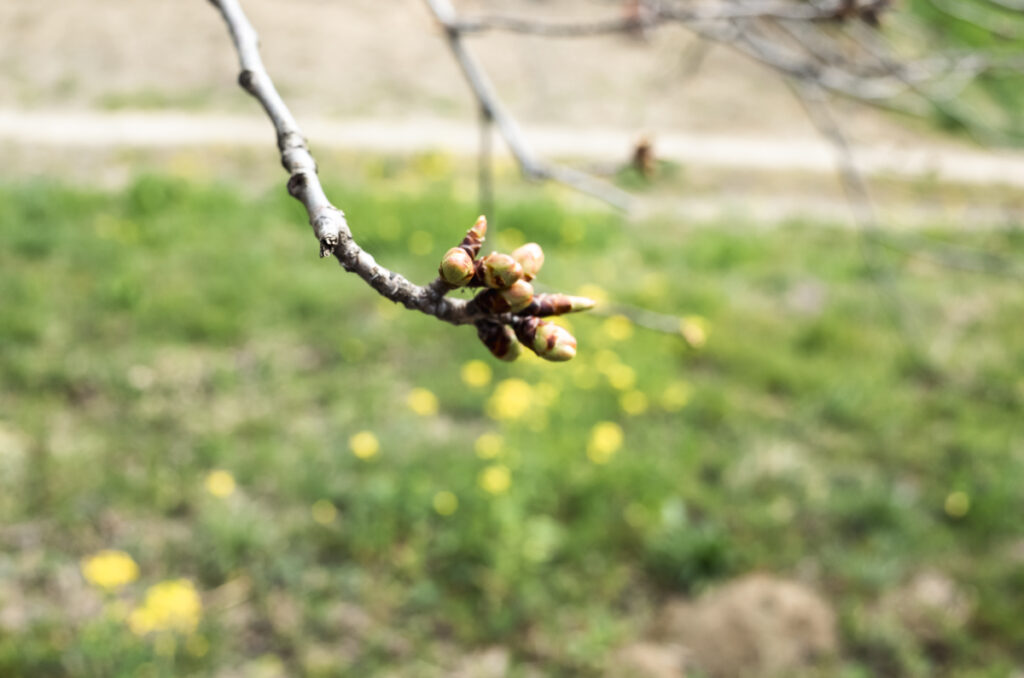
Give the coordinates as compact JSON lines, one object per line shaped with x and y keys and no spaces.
{"x":487,"y":98}
{"x":328,"y":222}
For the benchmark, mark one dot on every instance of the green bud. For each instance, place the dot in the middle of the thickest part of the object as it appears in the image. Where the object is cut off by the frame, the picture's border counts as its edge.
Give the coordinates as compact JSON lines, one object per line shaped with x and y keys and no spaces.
{"x":549,"y":341}
{"x":518,"y":296}
{"x":457,"y":267}
{"x":475,"y":237}
{"x":531,"y":257}
{"x":500,"y":340}
{"x":499,"y":271}
{"x":557,"y":304}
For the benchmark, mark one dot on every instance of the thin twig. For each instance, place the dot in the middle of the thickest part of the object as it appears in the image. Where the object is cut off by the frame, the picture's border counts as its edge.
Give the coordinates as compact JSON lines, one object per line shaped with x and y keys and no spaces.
{"x":329,"y":224}
{"x":487,"y":98}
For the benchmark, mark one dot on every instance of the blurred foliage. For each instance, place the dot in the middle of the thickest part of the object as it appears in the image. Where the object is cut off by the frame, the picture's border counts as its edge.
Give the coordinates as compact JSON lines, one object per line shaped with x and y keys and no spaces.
{"x":183,"y":383}
{"x":991,"y":108}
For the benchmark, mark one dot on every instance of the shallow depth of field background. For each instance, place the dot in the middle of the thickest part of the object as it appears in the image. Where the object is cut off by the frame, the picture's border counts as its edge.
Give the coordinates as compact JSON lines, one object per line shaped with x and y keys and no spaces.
{"x":220,"y":456}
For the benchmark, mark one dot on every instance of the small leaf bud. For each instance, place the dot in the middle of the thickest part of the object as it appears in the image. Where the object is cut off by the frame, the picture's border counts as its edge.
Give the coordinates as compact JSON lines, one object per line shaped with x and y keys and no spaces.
{"x":557,"y":304}
{"x":531,"y":257}
{"x":500,"y":340}
{"x":474,"y":239}
{"x":547,"y":340}
{"x":499,"y":271}
{"x":518,"y":296}
{"x":457,"y":267}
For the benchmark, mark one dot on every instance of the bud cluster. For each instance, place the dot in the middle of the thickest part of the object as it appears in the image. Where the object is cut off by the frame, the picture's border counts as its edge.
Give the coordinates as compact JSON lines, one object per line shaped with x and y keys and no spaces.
{"x":508,"y":296}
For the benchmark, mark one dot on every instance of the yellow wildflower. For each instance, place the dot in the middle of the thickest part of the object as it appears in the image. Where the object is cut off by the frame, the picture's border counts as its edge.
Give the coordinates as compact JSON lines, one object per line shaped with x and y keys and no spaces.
{"x":495,"y":479}
{"x":220,"y":483}
{"x":511,"y":400}
{"x":172,"y":605}
{"x":676,"y":396}
{"x":109,"y":569}
{"x":421,"y":243}
{"x":364,"y":444}
{"x":621,"y":377}
{"x":422,"y":402}
{"x":605,"y":440}
{"x":694,"y":329}
{"x":594,"y":292}
{"x":957,"y":504}
{"x":488,"y":445}
{"x":618,"y":328}
{"x":476,"y":373}
{"x":197,"y":645}
{"x":633,"y":402}
{"x":324,"y":512}
{"x":445,"y":503}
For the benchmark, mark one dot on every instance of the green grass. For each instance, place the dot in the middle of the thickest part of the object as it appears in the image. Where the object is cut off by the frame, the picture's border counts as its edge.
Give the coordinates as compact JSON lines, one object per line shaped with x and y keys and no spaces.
{"x":152,"y":335}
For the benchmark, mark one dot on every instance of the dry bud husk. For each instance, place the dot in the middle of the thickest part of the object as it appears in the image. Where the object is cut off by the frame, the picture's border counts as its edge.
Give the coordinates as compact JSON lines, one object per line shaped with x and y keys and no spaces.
{"x":498,"y":271}
{"x":531,"y":257}
{"x":549,"y":341}
{"x":457,"y":267}
{"x":474,"y":239}
{"x":500,"y":340}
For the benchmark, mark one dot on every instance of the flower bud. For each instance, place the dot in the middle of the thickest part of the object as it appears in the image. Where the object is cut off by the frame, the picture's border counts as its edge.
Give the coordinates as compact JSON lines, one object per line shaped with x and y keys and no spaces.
{"x":457,"y":267}
{"x":518,"y":296}
{"x":499,"y":271}
{"x":547,"y":340}
{"x":500,"y":340}
{"x":557,"y":304}
{"x":475,"y":237}
{"x":531,"y":257}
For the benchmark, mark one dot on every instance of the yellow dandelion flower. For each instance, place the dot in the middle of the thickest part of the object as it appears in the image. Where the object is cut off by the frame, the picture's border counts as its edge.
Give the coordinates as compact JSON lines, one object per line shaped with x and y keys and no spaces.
{"x":422,"y":402}
{"x":421,"y":243}
{"x":547,"y":394}
{"x":220,"y":483}
{"x":324,"y":512}
{"x":445,"y":503}
{"x":594,"y":292}
{"x":694,"y":329}
{"x":676,"y":396}
{"x":197,"y":645}
{"x":364,"y":444}
{"x":495,"y":479}
{"x":605,"y":440}
{"x":633,"y":402}
{"x":511,"y":238}
{"x":476,"y":373}
{"x":621,"y":377}
{"x":172,"y":605}
{"x":584,"y":377}
{"x":606,"y":358}
{"x":109,"y":569}
{"x":488,"y":445}
{"x":511,"y":400}
{"x":957,"y":504}
{"x":618,"y":328}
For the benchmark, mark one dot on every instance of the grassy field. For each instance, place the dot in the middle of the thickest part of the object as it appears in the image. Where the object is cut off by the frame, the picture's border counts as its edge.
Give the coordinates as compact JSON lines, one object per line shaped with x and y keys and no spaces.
{"x":297,"y":478}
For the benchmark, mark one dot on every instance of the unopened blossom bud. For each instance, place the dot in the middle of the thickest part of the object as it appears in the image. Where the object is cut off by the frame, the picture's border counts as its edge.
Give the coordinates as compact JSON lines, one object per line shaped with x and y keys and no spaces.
{"x":475,"y":237}
{"x":518,"y":296}
{"x":557,"y":304}
{"x":500,"y":340}
{"x":499,"y":271}
{"x":457,"y":267}
{"x":492,"y":301}
{"x":549,"y":341}
{"x":531,"y":257}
